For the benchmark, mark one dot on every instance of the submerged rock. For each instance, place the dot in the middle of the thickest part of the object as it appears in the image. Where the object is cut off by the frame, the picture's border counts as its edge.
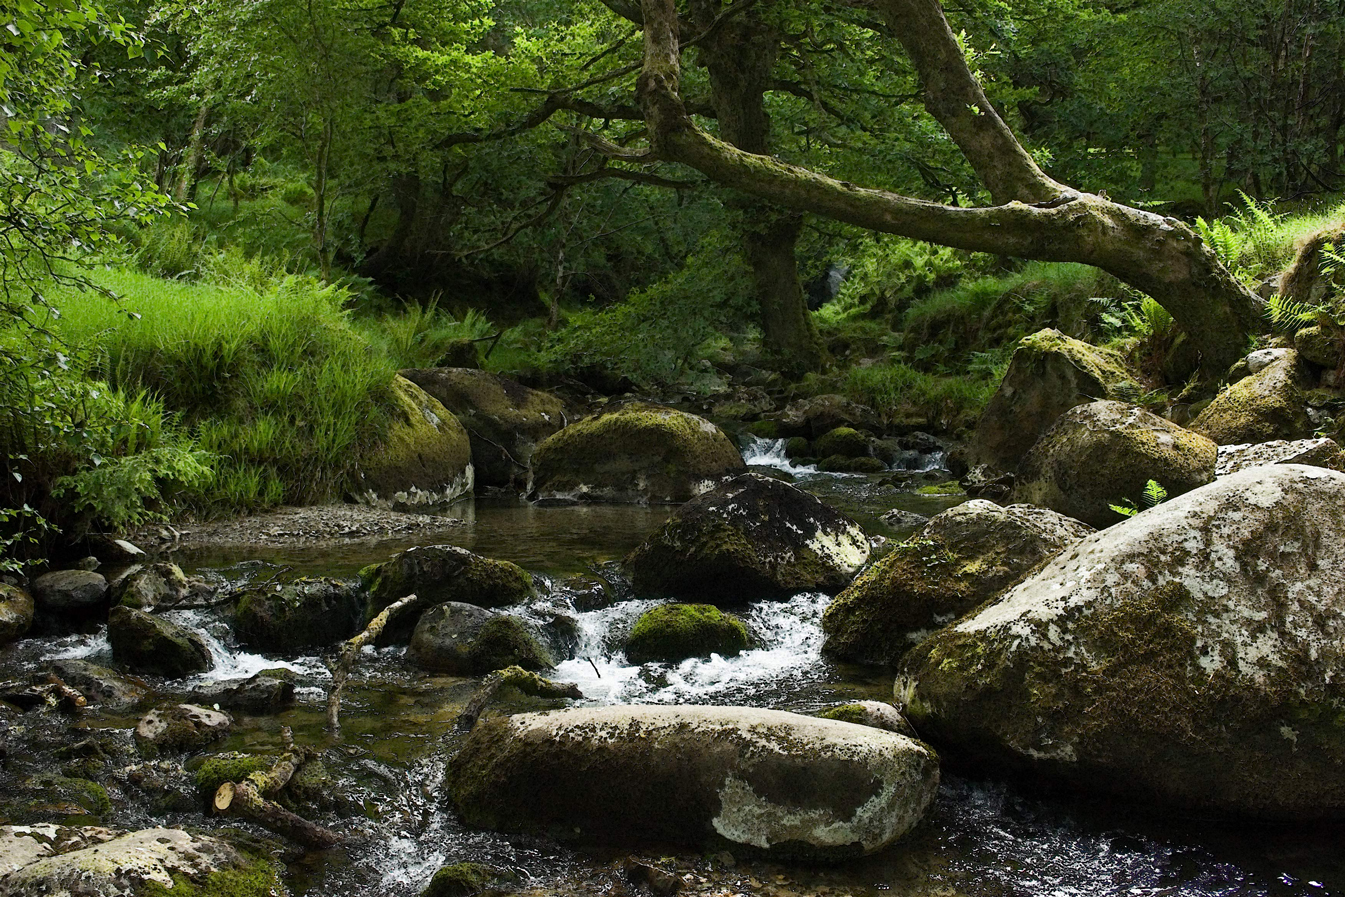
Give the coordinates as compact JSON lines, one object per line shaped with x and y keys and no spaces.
{"x":708,"y":777}
{"x":180,"y":727}
{"x":1105,"y":453}
{"x":465,"y":640}
{"x":306,"y":613}
{"x":424,"y":459}
{"x":16,"y":613}
{"x":673,"y":632}
{"x":148,"y":644}
{"x":438,"y":573}
{"x":753,"y":537}
{"x":1194,"y":654}
{"x":636,"y":453}
{"x":1266,"y":406}
{"x":958,"y":560}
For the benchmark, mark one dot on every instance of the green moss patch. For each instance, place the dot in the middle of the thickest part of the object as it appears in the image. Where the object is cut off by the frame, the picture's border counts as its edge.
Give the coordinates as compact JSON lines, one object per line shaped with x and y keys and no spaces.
{"x":674,"y":632}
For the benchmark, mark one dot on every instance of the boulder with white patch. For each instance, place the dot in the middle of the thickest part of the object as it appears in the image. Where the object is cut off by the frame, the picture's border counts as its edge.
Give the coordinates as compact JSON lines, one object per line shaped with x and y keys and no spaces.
{"x":1194,"y":654}
{"x":740,"y":778}
{"x":753,"y":537}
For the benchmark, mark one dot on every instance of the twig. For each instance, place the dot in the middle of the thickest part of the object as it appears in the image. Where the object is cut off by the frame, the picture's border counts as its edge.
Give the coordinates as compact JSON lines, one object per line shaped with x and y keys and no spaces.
{"x":350,"y":651}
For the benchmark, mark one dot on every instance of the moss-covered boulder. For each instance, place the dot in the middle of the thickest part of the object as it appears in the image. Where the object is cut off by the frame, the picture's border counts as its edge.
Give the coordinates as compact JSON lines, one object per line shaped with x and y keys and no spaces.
{"x":958,"y":560}
{"x":753,"y":537}
{"x":100,"y":685}
{"x":504,"y":419}
{"x":146,"y":587}
{"x":1268,"y":405}
{"x":635,"y":453}
{"x":874,"y":714}
{"x":1314,"y":452}
{"x":16,"y":613}
{"x":306,"y":613}
{"x":822,"y":414}
{"x":424,"y":458}
{"x":269,"y":691}
{"x":180,"y":727}
{"x":143,"y":643}
{"x":466,"y":640}
{"x":671,"y":633}
{"x":1105,"y":453}
{"x":757,"y":781}
{"x":155,"y":862}
{"x":844,"y":441}
{"x":842,"y":464}
{"x":53,"y":798}
{"x":1320,"y":346}
{"x":1194,"y":654}
{"x":459,"y":880}
{"x":1048,"y":374}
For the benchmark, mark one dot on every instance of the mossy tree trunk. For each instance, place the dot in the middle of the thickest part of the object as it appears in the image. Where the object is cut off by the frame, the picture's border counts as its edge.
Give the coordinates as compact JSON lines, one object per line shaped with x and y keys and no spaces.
{"x":1037,"y":217}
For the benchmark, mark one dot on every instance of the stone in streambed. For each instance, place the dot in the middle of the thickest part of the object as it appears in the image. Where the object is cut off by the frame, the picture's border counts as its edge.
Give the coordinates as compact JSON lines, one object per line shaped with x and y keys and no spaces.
{"x":437,"y":573}
{"x":180,"y":727}
{"x":147,"y":644}
{"x":465,"y":640}
{"x":674,"y":632}
{"x":16,"y":613}
{"x":306,"y":613}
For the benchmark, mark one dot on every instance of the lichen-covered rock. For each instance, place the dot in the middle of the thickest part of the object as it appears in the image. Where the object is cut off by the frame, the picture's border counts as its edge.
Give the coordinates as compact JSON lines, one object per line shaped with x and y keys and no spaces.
{"x":180,"y":727}
{"x":100,"y":685}
{"x":637,"y":453}
{"x":306,"y":613}
{"x":821,"y":414}
{"x":145,"y":587}
{"x":1317,"y":345}
{"x":671,"y":633}
{"x":1266,"y":406}
{"x":753,"y":537}
{"x":708,"y":777}
{"x":1194,"y":654}
{"x":424,"y":459}
{"x":874,"y":714}
{"x":465,"y":640}
{"x":1105,"y":453}
{"x":504,"y":420}
{"x":1314,"y":452}
{"x":99,"y":862}
{"x":16,"y":613}
{"x":438,"y":573}
{"x":958,"y":560}
{"x":1048,"y":374}
{"x":147,"y":644}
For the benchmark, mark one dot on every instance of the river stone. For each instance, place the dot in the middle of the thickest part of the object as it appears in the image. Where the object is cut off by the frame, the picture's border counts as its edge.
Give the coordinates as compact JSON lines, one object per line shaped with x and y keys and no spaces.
{"x":1194,"y":654}
{"x":752,"y":537}
{"x":147,"y":644}
{"x":439,"y":573}
{"x":76,"y":592}
{"x":423,"y":459}
{"x":100,"y":685}
{"x":306,"y":613}
{"x":97,"y":862}
{"x":846,"y":442}
{"x":466,"y":640}
{"x":874,"y":714}
{"x":1049,"y":373}
{"x":1319,"y":346}
{"x":146,"y":587}
{"x":636,"y":453}
{"x":16,"y":613}
{"x":267,"y":692}
{"x":1105,"y":453}
{"x":707,"y":777}
{"x":180,"y":727}
{"x":1266,"y":406}
{"x":958,"y":560}
{"x":822,"y":414}
{"x":671,"y":633}
{"x":504,"y":420}
{"x":1315,"y":452}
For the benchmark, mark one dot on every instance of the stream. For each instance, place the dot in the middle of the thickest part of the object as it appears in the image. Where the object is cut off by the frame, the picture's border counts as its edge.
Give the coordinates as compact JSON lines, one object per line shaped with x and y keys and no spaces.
{"x":985,"y":838}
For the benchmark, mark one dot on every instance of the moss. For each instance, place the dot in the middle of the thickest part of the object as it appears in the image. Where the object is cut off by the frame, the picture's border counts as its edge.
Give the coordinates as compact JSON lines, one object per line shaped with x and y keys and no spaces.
{"x":798,"y":447}
{"x":674,"y":632}
{"x":215,"y":771}
{"x":847,"y":713}
{"x":845,"y":441}
{"x":537,"y":686}
{"x":952,"y":487}
{"x":841,"y":464}
{"x":424,"y":457}
{"x":259,"y":877}
{"x":440,"y":573}
{"x":306,"y":613}
{"x":765,"y":429}
{"x":505,"y":641}
{"x":1265,"y":406}
{"x":459,"y":880}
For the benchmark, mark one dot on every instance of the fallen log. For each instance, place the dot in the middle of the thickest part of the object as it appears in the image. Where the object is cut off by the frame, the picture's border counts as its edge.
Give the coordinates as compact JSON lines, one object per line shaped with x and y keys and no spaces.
{"x":249,"y":799}
{"x":350,"y":652}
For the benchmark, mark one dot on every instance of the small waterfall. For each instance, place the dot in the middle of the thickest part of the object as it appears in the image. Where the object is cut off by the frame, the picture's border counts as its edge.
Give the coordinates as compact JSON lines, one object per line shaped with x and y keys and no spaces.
{"x":762,"y":452}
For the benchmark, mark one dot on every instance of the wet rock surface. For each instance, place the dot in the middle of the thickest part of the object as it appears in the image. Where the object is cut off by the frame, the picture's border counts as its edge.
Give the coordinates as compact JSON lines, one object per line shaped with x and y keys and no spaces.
{"x":465,"y":640}
{"x":306,"y":613}
{"x":67,"y":599}
{"x":16,"y":613}
{"x":438,"y":573}
{"x":671,"y":633}
{"x":147,"y":644}
{"x":180,"y":728}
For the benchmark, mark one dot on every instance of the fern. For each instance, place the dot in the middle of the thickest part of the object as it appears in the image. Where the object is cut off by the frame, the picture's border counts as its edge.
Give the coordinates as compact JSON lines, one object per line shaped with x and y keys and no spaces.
{"x":1154,"y":494}
{"x":1288,"y":316}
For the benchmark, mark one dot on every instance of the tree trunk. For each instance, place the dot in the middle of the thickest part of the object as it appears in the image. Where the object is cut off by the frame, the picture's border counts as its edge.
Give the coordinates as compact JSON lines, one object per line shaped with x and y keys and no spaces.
{"x":790,"y":335}
{"x":1158,"y":255}
{"x":187,"y":174}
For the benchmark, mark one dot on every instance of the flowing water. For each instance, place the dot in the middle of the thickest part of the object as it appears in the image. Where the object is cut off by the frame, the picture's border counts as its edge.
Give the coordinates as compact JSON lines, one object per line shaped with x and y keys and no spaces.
{"x":983,"y":838}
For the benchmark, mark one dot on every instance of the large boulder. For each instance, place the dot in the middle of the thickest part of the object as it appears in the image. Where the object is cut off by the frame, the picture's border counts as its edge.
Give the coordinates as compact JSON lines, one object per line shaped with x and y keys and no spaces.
{"x":822,"y":414}
{"x":424,"y":458}
{"x":637,"y":453}
{"x":957,"y":561}
{"x":707,"y":777}
{"x":143,"y":643}
{"x":1315,"y":452}
{"x":16,"y":613}
{"x":504,"y":420}
{"x":671,"y":633}
{"x":1048,"y":374}
{"x":1105,"y":453}
{"x":306,"y":613}
{"x":1266,"y":406}
{"x":1194,"y":654}
{"x":66,"y":600}
{"x":146,"y":587}
{"x":439,"y":573}
{"x":752,"y":537}
{"x":466,"y":640}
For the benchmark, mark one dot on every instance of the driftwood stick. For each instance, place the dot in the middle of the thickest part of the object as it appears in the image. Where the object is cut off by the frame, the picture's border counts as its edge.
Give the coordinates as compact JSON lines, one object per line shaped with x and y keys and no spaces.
{"x":472,"y":712}
{"x":524,"y":681}
{"x":350,"y":652}
{"x":242,"y":799}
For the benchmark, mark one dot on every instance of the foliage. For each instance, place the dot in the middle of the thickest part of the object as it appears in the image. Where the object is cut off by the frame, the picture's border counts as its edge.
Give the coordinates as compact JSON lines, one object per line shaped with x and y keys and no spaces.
{"x":1154,"y":493}
{"x":901,"y":393}
{"x":422,"y":335}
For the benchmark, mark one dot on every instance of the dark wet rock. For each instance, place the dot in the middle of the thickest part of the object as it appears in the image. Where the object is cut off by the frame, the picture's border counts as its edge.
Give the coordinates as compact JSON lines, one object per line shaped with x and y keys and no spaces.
{"x":840,"y":464}
{"x":1313,"y":452}
{"x":902,"y":519}
{"x":821,"y":414}
{"x":466,"y":640}
{"x":1048,"y":374}
{"x":99,"y":862}
{"x":843,"y":441}
{"x":589,"y":592}
{"x":146,"y":587}
{"x":459,"y":880}
{"x":504,"y":419}
{"x":635,"y":453}
{"x":147,"y":644}
{"x":761,"y":781}
{"x":1193,"y":655}
{"x":425,"y":456}
{"x":54,"y":798}
{"x":1105,"y":453}
{"x":306,"y":613}
{"x":671,"y":633}
{"x":753,"y":537}
{"x":958,"y":560}
{"x":557,"y":630}
{"x":1268,"y":405}
{"x":875,"y":714}
{"x":439,"y":573}
{"x":180,"y":727}
{"x":65,"y":599}
{"x":100,"y":685}
{"x":16,"y":613}
{"x":270,"y":691}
